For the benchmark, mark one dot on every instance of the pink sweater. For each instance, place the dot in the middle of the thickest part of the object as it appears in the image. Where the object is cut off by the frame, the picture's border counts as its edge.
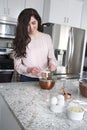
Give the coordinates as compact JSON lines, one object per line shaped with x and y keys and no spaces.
{"x":38,"y":52}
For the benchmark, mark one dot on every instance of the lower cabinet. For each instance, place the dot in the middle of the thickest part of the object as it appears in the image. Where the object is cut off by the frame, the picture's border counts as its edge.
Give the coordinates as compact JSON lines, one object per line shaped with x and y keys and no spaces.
{"x":7,"y":119}
{"x":5,"y":77}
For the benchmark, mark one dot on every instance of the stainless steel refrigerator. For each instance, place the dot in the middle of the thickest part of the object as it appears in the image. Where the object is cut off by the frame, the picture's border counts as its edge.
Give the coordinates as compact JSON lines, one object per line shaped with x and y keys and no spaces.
{"x":68,"y":43}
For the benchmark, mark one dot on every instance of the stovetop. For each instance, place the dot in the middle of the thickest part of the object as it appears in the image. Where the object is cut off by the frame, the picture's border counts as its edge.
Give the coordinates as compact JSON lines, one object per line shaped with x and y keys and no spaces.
{"x":66,"y":76}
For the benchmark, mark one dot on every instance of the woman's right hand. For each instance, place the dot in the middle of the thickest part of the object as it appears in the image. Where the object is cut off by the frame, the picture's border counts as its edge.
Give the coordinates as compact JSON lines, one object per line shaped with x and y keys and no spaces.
{"x":34,"y":70}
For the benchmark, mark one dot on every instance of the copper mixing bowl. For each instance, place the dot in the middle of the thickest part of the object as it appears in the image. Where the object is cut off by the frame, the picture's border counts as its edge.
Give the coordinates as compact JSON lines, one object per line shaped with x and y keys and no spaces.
{"x":46,"y":83}
{"x":83,"y":87}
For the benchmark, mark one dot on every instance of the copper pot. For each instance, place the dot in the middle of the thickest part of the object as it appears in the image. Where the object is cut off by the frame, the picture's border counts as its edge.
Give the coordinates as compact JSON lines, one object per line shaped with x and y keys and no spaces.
{"x":83,"y":87}
{"x":46,"y":83}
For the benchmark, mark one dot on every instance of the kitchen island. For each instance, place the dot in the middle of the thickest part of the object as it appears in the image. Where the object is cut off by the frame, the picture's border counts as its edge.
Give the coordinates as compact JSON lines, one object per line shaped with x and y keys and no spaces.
{"x":30,"y":105}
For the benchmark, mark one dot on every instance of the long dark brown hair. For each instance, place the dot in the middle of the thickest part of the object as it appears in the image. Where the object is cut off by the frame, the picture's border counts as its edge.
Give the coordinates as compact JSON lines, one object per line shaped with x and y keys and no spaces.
{"x":22,"y":38}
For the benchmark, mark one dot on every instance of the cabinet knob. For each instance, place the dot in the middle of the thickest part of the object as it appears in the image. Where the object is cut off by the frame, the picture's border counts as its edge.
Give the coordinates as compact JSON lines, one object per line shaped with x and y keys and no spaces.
{"x":67,"y":20}
{"x":64,"y":19}
{"x":8,"y":11}
{"x":5,"y":12}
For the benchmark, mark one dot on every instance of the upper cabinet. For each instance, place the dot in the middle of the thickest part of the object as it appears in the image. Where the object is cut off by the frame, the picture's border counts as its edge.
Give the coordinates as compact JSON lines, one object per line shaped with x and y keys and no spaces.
{"x":36,"y":4}
{"x":11,"y":8}
{"x":2,"y":10}
{"x":74,"y":12}
{"x":84,"y":16}
{"x":67,"y":12}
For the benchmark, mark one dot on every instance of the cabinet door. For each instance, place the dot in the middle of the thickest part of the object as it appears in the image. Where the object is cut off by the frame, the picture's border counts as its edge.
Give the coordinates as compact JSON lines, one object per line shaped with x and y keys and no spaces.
{"x":74,"y":12}
{"x":54,"y":11}
{"x":36,"y":4}
{"x":3,"y":7}
{"x":67,"y":12}
{"x":15,"y":7}
{"x":84,"y":16}
{"x":58,"y":11}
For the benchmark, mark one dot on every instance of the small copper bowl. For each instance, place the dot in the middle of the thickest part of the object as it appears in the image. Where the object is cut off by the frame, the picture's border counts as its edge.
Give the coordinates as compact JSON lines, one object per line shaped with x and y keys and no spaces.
{"x":83,"y":87}
{"x":67,"y":95}
{"x":46,"y":83}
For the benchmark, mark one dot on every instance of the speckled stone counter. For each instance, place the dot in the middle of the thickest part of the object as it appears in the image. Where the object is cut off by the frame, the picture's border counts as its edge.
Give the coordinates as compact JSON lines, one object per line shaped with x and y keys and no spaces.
{"x":30,"y":104}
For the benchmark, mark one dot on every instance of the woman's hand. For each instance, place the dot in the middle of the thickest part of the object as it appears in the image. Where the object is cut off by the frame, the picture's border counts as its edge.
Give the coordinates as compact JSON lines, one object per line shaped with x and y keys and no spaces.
{"x":34,"y":70}
{"x":52,"y":67}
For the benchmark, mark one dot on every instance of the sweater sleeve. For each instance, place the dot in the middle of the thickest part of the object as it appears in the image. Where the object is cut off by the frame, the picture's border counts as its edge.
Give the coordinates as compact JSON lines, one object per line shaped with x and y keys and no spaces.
{"x":19,"y":66}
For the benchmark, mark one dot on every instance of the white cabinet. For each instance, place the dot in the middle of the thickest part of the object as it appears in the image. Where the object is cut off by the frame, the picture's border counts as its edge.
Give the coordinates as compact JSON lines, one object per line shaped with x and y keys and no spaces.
{"x":54,"y":11}
{"x":2,"y":7}
{"x":11,"y":8}
{"x":67,"y":12}
{"x":84,"y":16}
{"x":36,"y":4}
{"x":74,"y":12}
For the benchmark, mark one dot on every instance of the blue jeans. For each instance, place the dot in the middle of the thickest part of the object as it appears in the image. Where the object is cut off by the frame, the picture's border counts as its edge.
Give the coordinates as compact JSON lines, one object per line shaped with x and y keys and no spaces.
{"x":27,"y":79}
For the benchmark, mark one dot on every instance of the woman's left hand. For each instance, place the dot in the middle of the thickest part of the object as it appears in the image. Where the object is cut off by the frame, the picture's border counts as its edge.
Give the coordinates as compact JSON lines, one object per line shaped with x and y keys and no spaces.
{"x":52,"y":67}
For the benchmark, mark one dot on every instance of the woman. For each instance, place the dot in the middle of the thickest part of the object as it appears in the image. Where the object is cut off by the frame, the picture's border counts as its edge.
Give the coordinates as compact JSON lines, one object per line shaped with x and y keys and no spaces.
{"x":33,"y":50}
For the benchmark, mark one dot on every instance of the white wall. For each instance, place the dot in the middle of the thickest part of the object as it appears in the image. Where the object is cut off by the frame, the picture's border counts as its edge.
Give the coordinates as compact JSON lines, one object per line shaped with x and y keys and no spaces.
{"x":84,"y":26}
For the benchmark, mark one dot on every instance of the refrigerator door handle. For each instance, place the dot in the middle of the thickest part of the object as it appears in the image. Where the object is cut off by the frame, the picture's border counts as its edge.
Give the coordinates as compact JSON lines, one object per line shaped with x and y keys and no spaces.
{"x":72,"y":43}
{"x":71,"y":46}
{"x":69,"y":49}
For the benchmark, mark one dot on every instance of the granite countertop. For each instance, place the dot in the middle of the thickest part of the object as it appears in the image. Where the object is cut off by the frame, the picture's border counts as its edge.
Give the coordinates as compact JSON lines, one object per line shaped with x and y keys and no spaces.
{"x":30,"y":104}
